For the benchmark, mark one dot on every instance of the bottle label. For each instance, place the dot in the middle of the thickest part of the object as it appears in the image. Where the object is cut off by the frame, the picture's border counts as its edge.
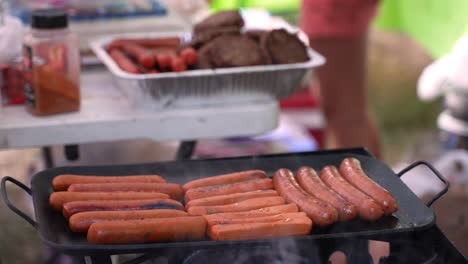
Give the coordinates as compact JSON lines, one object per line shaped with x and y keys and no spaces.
{"x":29,"y":95}
{"x":51,"y":87}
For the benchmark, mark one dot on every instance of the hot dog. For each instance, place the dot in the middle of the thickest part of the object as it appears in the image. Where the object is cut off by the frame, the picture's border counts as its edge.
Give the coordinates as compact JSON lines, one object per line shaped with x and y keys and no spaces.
{"x":309,"y":180}
{"x":58,"y":199}
{"x":72,"y":208}
{"x":189,"y":55}
{"x":288,"y":227}
{"x":147,"y":42}
{"x":246,"y":205}
{"x":164,"y":57}
{"x":80,"y":222}
{"x":62,"y":182}
{"x":321,"y":213}
{"x":148,"y":230}
{"x":351,"y":170}
{"x":262,"y":219}
{"x":267,"y":211}
{"x":369,"y":209}
{"x":140,"y":54}
{"x":123,"y":62}
{"x":178,"y":65}
{"x":230,"y":198}
{"x":170,"y":51}
{"x":172,"y":189}
{"x":225,"y":179}
{"x":164,"y":62}
{"x":238,"y":187}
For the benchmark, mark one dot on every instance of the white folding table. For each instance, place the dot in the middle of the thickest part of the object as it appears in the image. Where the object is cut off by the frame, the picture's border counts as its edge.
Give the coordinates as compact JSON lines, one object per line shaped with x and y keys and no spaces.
{"x":106,"y":115}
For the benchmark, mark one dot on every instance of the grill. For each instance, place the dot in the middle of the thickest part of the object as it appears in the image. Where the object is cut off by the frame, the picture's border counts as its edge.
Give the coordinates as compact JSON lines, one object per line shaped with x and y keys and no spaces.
{"x":413,"y":223}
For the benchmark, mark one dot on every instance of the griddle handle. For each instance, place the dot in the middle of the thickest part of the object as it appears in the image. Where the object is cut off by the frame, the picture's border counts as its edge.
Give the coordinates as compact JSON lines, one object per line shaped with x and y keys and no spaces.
{"x":436,"y":172}
{"x":9,"y":204}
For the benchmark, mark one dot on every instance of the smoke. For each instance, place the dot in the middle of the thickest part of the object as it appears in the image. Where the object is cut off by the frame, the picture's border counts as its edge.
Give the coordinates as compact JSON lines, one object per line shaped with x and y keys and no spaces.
{"x":281,"y":250}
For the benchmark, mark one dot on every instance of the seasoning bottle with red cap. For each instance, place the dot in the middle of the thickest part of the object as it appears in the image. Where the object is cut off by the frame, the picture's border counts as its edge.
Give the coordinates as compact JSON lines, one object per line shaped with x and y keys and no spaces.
{"x":52,"y":60}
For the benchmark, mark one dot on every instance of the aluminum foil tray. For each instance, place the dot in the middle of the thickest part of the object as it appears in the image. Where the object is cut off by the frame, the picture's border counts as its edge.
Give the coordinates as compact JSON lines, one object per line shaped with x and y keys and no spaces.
{"x":240,"y":85}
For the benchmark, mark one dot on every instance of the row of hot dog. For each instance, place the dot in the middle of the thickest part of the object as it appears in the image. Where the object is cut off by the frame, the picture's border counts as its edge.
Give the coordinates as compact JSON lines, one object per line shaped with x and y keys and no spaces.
{"x":147,"y":55}
{"x":244,"y":205}
{"x":335,"y":195}
{"x":125,"y":209}
{"x":324,"y":199}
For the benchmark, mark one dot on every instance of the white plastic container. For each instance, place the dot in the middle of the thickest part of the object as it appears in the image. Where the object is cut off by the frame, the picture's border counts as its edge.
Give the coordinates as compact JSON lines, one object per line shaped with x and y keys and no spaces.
{"x":239,"y":85}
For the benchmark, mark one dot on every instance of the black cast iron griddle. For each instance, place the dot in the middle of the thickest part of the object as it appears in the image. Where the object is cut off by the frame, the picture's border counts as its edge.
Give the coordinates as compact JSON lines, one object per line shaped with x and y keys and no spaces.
{"x":413,"y":214}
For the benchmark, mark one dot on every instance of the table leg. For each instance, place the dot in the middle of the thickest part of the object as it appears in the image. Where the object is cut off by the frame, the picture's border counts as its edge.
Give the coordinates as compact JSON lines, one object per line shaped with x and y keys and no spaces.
{"x":140,"y":259}
{"x":47,"y":154}
{"x":78,"y":260}
{"x":54,"y":258}
{"x":100,"y":260}
{"x":357,"y":251}
{"x":72,"y":152}
{"x":186,"y":149}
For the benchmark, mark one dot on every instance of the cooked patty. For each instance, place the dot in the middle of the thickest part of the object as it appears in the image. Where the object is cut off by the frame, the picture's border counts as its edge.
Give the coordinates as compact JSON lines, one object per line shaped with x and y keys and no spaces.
{"x":260,"y":36}
{"x":201,"y":38}
{"x":204,"y":57}
{"x":221,"y":19}
{"x":232,"y":51}
{"x":257,"y":34}
{"x":284,"y":47}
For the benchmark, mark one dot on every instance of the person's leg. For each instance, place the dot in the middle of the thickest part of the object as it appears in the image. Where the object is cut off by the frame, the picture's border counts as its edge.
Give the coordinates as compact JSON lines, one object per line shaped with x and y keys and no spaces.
{"x":343,"y":91}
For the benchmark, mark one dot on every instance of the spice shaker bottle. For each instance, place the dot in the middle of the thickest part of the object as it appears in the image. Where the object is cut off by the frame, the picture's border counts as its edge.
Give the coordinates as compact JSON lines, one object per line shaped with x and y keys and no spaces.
{"x":52,"y":60}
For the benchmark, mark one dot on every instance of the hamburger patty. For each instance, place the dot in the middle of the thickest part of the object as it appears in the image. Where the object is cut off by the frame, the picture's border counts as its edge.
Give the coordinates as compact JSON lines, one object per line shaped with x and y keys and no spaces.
{"x":231,"y":51}
{"x":201,"y":38}
{"x":283,"y":47}
{"x":219,"y":20}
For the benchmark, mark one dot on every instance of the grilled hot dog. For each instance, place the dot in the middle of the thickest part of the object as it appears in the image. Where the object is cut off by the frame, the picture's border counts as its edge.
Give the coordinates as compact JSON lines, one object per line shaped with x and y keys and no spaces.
{"x":62,"y":182}
{"x":309,"y":180}
{"x":148,"y":230}
{"x":225,"y":179}
{"x":262,"y":219}
{"x":230,"y":198}
{"x":267,"y":211}
{"x":351,"y":170}
{"x":238,"y":187}
{"x":172,"y":189}
{"x":72,"y":208}
{"x":123,"y":62}
{"x":246,"y":205}
{"x":178,"y":65}
{"x":171,"y":42}
{"x":80,"y":222}
{"x":369,"y":209}
{"x":189,"y":55}
{"x":58,"y":199}
{"x":286,"y":227}
{"x":321,"y":213}
{"x":140,"y":54}
{"x":164,"y":62}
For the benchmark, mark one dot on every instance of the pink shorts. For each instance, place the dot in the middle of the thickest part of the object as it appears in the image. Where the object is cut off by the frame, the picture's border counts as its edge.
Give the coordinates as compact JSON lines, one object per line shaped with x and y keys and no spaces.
{"x":336,"y":18}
